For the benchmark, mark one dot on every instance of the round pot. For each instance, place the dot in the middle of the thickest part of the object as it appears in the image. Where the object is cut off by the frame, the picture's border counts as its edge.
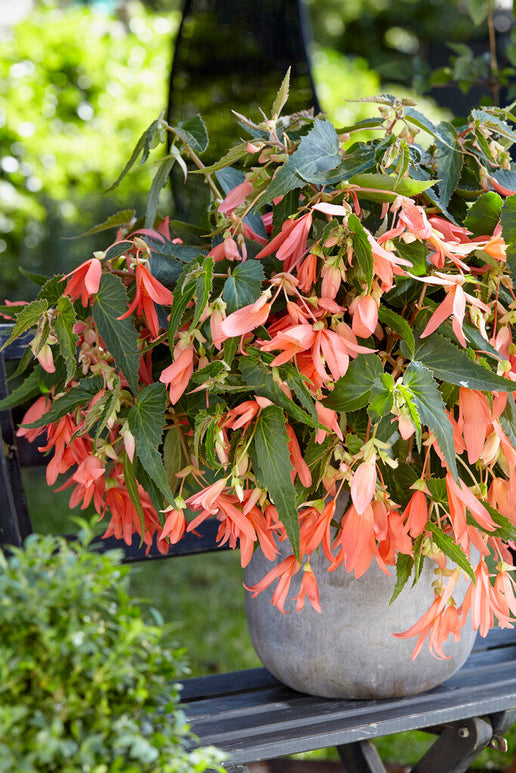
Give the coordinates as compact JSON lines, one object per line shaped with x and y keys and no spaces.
{"x":348,"y":650}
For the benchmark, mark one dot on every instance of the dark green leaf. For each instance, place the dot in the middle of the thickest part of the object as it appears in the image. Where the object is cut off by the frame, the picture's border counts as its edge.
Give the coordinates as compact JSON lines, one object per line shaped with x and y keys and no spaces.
{"x":450,"y":549}
{"x":36,"y":383}
{"x":131,"y":485}
{"x":193,"y":133}
{"x":452,"y":364}
{"x":119,"y":335}
{"x":66,"y":338}
{"x":203,"y":289}
{"x":432,"y":410}
{"x":361,"y":247}
{"x":258,"y":377}
{"x":449,"y":162}
{"x":28,"y":317}
{"x":181,"y":300}
{"x":142,"y":148}
{"x":244,"y":286}
{"x":381,"y":398}
{"x":508,"y":221}
{"x":399,"y":481}
{"x":173,"y":456}
{"x":146,"y":421}
{"x":284,"y":181}
{"x":273,"y":468}
{"x":318,"y":151}
{"x":484,"y":214}
{"x":124,"y":217}
{"x":76,"y":397}
{"x":353,"y":390}
{"x":398,"y":325}
{"x":160,"y":180}
{"x":404,"y":566}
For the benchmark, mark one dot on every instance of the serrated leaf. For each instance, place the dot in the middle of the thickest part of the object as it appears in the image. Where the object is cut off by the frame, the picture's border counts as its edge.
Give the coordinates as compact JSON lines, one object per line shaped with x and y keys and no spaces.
{"x":203,"y":289}
{"x":404,"y":566}
{"x":385,"y":187}
{"x":146,"y":421}
{"x":318,"y":151}
{"x":193,"y":133}
{"x":282,"y":96}
{"x":76,"y":397}
{"x":119,"y":335}
{"x":160,"y":180}
{"x":257,"y":376}
{"x":450,"y":549}
{"x":173,"y":457}
{"x":398,"y":325}
{"x":506,"y":529}
{"x":181,"y":300}
{"x":449,"y":162}
{"x":422,"y":122}
{"x":142,"y":148}
{"x":272,"y":466}
{"x":381,"y":398}
{"x":452,"y":364}
{"x":484,"y":214}
{"x":131,"y":485}
{"x":28,"y":317}
{"x":234,"y":154}
{"x":353,"y":390}
{"x":494,"y":123}
{"x":432,"y":410}
{"x":508,"y":222}
{"x":244,"y":286}
{"x":67,"y":339}
{"x":361,"y":247}
{"x":124,"y":217}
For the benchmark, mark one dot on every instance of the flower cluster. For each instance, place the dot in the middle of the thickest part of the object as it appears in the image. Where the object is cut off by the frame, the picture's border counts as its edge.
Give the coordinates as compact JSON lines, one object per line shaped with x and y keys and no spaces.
{"x":344,"y":327}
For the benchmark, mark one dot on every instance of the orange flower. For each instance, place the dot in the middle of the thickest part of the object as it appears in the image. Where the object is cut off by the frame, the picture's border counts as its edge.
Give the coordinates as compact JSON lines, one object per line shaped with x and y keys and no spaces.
{"x":85,"y":280}
{"x":148,"y":292}
{"x":178,"y":374}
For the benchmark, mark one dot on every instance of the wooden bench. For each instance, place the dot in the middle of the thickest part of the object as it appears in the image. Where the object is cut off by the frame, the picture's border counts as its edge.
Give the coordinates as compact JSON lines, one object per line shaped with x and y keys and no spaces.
{"x":253,"y":717}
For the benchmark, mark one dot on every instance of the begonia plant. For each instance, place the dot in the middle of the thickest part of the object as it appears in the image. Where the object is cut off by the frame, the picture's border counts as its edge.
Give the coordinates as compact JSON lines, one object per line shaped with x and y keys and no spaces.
{"x":340,"y":320}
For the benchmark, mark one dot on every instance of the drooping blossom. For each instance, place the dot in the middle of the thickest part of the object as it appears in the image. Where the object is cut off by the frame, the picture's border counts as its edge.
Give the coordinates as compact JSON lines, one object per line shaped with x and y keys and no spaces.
{"x":148,"y":292}
{"x":84,"y":281}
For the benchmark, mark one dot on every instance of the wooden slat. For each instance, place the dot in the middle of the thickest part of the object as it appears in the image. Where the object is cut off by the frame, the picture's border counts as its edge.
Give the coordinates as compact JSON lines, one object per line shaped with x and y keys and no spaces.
{"x":254,"y":717}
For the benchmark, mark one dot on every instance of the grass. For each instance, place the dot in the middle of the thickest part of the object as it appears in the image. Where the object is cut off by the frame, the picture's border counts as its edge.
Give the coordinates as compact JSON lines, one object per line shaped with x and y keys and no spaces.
{"x":204,"y":598}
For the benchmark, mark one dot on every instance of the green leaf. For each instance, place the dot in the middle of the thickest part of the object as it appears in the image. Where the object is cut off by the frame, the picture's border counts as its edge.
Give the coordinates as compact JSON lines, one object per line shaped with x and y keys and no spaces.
{"x":445,"y":543}
{"x":422,"y":122}
{"x":484,"y":214}
{"x":353,"y":390}
{"x":483,"y":118}
{"x":452,"y":364}
{"x":385,"y":187}
{"x":259,"y":379}
{"x":173,"y":456}
{"x":203,"y":289}
{"x":124,"y":217}
{"x":66,"y":338}
{"x":119,"y":335}
{"x":272,"y":466}
{"x":404,"y":566}
{"x":146,"y":421}
{"x":449,"y":162}
{"x":282,"y":96}
{"x":361,"y":247}
{"x":398,"y":325}
{"x":477,"y":10}
{"x":160,"y":180}
{"x":506,"y":529}
{"x":244,"y":286}
{"x":234,"y":154}
{"x":284,"y":181}
{"x":76,"y":397}
{"x":357,"y":162}
{"x":131,"y":485}
{"x":28,"y":317}
{"x":142,"y":148}
{"x":431,"y":408}
{"x":318,"y":151}
{"x":181,"y":300}
{"x":399,"y":481}
{"x":382,"y":396}
{"x":508,"y":221}
{"x":36,"y":383}
{"x":193,"y":133}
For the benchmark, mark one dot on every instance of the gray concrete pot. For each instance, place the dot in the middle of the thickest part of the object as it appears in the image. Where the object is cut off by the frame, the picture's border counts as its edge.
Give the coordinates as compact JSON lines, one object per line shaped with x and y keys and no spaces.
{"x":348,"y":650}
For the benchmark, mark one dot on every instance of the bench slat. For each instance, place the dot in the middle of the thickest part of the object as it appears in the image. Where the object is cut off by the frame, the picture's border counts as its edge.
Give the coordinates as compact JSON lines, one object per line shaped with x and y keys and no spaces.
{"x":254,"y":717}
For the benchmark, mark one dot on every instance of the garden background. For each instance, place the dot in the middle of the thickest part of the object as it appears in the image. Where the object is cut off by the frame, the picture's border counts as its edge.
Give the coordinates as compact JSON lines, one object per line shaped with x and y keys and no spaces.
{"x":79,"y":82}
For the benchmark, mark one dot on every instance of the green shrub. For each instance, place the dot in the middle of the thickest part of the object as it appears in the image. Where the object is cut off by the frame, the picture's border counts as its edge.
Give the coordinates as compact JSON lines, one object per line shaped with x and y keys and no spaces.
{"x":86,"y":684}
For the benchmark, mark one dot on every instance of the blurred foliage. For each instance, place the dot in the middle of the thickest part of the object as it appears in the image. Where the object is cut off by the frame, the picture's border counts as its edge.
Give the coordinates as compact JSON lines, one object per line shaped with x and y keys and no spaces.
{"x":78,"y":88}
{"x":87,"y":681}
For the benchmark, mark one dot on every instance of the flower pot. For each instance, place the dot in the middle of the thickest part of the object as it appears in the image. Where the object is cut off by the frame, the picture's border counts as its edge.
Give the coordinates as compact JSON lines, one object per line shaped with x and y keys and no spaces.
{"x":348,"y":650}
